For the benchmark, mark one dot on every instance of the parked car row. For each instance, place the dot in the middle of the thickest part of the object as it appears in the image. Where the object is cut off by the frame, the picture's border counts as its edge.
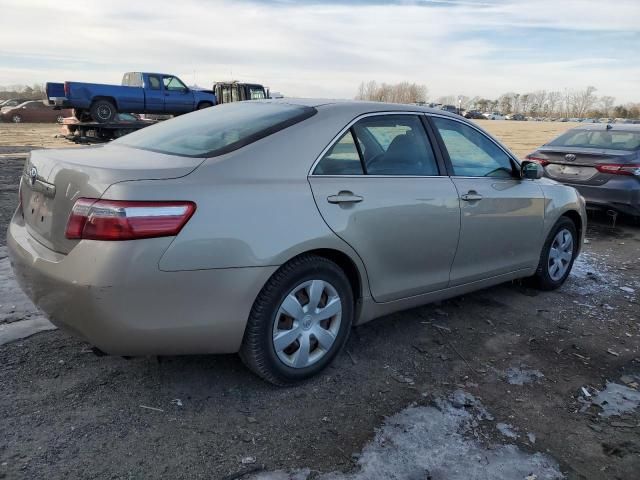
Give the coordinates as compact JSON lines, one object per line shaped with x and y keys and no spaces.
{"x":31,"y":111}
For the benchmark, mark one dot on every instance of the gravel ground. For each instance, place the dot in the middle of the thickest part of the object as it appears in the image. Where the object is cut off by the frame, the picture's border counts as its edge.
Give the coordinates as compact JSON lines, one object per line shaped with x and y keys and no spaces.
{"x":532,"y":366}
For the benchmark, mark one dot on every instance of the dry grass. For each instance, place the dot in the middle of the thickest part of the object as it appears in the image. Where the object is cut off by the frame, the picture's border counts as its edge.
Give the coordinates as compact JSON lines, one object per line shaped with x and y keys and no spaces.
{"x":524,"y":137}
{"x":520,"y":137}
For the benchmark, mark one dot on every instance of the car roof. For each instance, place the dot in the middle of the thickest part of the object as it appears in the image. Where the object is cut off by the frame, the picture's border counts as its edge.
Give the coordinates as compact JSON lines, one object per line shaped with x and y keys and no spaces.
{"x":631,"y":127}
{"x":358,"y":107}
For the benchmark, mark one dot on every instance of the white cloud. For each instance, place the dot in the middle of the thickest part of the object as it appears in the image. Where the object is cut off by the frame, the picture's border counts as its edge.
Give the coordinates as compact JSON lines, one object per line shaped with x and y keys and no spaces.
{"x":316,"y":49}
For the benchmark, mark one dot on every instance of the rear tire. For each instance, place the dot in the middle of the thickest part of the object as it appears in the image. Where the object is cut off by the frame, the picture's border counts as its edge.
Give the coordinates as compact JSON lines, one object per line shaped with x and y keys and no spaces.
{"x":287,"y":338}
{"x":103,"y":111}
{"x":557,"y":256}
{"x":16,"y":118}
{"x":205,"y":105}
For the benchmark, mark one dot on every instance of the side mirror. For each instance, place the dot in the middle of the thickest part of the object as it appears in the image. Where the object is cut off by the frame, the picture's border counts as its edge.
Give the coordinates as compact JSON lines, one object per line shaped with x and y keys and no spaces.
{"x":531,"y":170}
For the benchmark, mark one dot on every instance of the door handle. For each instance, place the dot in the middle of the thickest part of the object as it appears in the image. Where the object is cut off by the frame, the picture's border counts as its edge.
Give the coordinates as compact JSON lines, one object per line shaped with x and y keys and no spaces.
{"x":472,"y":196}
{"x":344,"y":197}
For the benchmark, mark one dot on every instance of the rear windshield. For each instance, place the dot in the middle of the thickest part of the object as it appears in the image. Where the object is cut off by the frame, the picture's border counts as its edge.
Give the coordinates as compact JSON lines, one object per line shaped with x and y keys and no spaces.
{"x":217,"y":130}
{"x":609,"y":139}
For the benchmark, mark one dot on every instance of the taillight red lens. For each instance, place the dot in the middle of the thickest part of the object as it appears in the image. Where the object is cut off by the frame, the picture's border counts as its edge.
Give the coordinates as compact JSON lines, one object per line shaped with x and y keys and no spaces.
{"x":632,"y":169}
{"x":93,"y":219}
{"x":542,"y":161}
{"x":66,"y":89}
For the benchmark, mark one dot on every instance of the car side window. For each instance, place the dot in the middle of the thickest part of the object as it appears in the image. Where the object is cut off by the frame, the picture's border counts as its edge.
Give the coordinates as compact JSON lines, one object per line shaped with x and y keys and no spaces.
{"x":154,"y":82}
{"x":472,"y":153}
{"x":341,"y":159}
{"x":395,"y":145}
{"x":173,"y":84}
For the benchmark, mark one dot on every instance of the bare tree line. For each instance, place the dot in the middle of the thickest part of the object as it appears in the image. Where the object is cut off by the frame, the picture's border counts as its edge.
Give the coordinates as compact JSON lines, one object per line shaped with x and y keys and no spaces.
{"x":568,"y":103}
{"x":403,"y":92}
{"x":31,"y":92}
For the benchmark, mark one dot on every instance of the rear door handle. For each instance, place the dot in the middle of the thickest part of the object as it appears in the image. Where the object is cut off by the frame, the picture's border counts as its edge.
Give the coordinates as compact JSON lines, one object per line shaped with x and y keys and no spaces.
{"x":472,"y":196}
{"x":344,"y":197}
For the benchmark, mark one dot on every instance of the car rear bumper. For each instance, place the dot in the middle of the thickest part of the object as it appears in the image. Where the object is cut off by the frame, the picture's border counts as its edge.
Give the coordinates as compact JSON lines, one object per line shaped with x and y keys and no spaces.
{"x":113,"y":295}
{"x":621,"y":194}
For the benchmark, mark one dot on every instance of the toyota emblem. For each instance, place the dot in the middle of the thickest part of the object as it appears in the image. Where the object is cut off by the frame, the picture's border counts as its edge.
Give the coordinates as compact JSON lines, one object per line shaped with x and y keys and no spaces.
{"x":33,"y":175}
{"x":569,"y":157}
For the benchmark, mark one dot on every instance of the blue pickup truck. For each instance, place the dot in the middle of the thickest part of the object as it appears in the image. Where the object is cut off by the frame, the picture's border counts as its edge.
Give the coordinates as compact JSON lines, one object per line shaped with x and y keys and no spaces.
{"x":139,"y":93}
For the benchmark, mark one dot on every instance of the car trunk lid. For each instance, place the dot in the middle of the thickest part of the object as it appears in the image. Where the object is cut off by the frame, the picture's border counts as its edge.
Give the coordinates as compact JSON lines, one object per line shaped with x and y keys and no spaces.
{"x":53,"y":180}
{"x":578,"y":165}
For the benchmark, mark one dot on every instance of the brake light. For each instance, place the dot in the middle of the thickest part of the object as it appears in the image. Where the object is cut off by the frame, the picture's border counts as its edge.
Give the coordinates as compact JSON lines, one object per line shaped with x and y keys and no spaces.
{"x":632,"y":169}
{"x":93,"y":219}
{"x":66,"y":89}
{"x":542,"y":161}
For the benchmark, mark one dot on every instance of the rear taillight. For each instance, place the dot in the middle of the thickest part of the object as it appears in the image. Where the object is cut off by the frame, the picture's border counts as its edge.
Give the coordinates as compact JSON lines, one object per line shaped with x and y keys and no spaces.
{"x":542,"y":161}
{"x":93,"y":219}
{"x":66,"y":89}
{"x":632,"y":169}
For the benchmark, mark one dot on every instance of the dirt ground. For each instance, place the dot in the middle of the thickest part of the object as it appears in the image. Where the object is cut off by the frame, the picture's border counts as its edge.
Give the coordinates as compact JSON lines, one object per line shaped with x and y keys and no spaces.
{"x":535,"y":360}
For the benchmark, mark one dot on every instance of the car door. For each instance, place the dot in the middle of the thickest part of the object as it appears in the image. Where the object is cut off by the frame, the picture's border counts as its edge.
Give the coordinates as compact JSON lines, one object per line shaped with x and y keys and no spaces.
{"x":502,"y":214}
{"x":177,"y":97}
{"x":380,"y":188}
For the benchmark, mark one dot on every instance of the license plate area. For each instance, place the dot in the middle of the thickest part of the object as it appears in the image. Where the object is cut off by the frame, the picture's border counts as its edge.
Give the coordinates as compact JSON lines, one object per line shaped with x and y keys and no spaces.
{"x":572,"y":172}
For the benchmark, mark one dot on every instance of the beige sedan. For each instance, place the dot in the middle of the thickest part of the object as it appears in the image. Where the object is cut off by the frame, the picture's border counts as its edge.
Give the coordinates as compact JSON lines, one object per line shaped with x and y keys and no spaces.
{"x":270,"y":228}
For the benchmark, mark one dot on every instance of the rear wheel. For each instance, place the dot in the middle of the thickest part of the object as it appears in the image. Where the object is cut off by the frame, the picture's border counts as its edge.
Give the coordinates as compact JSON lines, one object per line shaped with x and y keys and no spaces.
{"x":103,"y":111}
{"x":16,"y":118}
{"x":558,"y":254}
{"x":299,"y":322}
{"x":205,"y":105}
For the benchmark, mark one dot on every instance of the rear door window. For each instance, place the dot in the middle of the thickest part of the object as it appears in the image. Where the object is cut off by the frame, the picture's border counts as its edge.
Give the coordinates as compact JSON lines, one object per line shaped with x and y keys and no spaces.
{"x":214,"y":131}
{"x":395,"y":145}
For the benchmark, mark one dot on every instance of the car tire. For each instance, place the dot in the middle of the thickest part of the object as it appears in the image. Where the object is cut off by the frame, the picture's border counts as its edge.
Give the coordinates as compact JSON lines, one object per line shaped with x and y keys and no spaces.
{"x":16,"y":118}
{"x":287,"y":358}
{"x":59,"y":118}
{"x":103,"y":111}
{"x":548,"y":277}
{"x":204,"y":105}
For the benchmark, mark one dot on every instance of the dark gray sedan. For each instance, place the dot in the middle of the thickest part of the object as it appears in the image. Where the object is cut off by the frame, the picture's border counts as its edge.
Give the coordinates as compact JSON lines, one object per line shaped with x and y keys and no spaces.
{"x":601,"y":161}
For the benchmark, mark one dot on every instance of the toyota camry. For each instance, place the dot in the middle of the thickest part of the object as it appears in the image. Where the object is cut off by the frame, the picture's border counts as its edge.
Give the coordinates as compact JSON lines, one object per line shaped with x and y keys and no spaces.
{"x":270,"y":228}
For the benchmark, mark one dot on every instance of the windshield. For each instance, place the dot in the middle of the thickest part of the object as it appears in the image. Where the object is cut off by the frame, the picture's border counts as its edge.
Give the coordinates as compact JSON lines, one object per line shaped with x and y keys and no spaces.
{"x":609,"y":139}
{"x":217,"y":130}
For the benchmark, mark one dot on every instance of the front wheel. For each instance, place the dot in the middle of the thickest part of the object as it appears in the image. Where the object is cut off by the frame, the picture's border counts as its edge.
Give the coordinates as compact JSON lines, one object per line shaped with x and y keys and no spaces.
{"x":299,"y":322}
{"x":16,"y":118}
{"x":557,"y":257}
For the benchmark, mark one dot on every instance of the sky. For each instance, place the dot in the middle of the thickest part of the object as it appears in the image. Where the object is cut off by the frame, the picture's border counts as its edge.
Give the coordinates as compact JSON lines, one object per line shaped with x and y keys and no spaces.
{"x":325,"y":49}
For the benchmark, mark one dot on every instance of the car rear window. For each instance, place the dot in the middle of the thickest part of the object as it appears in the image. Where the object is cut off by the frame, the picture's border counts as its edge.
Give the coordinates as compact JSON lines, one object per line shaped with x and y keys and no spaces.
{"x":217,"y":130}
{"x":609,"y":139}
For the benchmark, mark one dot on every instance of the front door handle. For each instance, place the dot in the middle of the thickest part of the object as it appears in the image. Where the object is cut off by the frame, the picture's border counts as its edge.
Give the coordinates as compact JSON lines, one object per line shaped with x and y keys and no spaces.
{"x":472,"y":196}
{"x":344,"y":197}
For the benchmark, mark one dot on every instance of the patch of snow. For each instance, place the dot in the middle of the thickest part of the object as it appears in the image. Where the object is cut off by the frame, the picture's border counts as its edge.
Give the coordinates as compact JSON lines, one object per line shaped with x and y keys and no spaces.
{"x":507,"y":430}
{"x":521,"y":376}
{"x":436,"y":441}
{"x":616,"y":399}
{"x":591,"y":274}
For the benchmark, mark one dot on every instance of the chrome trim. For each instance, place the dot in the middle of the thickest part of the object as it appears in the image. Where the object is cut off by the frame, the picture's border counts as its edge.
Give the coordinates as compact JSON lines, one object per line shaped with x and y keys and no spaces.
{"x":419,"y":113}
{"x":40,"y":186}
